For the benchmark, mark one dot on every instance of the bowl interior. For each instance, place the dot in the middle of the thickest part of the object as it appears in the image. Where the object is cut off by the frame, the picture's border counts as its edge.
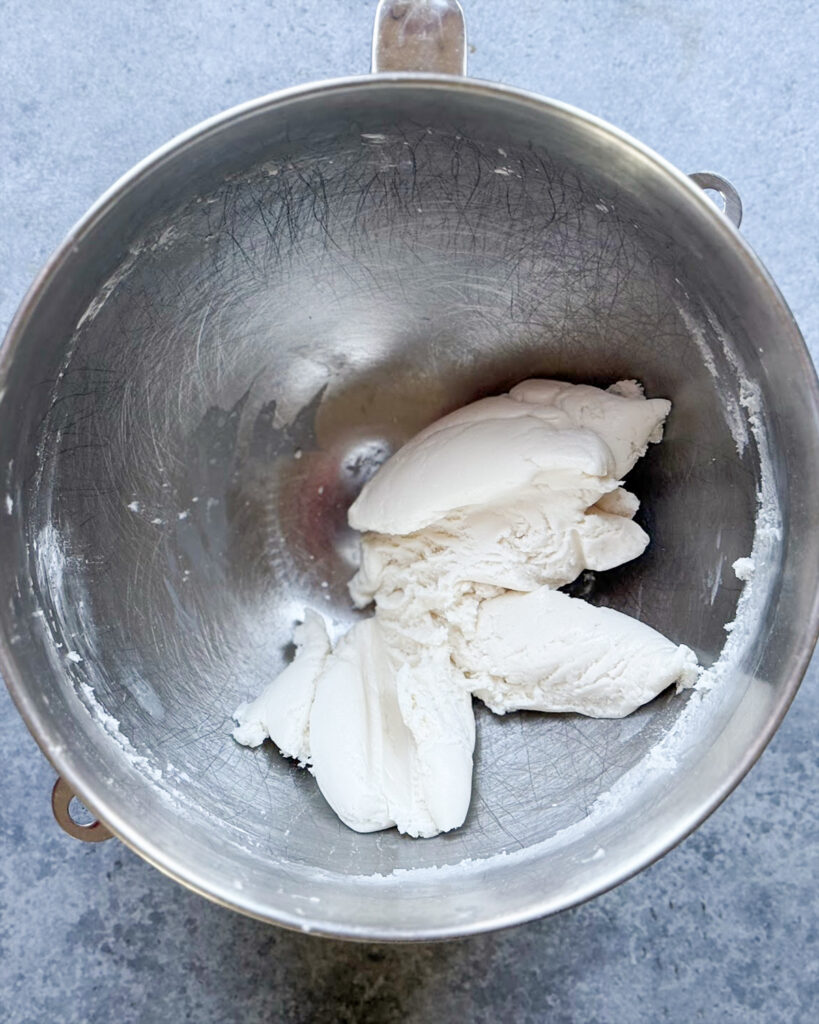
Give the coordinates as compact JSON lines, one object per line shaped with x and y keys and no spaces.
{"x":230,"y":350}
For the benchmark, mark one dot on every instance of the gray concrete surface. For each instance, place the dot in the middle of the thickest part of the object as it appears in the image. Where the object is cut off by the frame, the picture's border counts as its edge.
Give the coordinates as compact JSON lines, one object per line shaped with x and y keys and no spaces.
{"x":722,"y":929}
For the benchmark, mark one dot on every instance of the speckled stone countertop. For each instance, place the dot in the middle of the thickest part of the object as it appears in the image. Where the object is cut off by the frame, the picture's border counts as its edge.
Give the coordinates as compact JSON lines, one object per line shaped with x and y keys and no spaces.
{"x":722,"y":929}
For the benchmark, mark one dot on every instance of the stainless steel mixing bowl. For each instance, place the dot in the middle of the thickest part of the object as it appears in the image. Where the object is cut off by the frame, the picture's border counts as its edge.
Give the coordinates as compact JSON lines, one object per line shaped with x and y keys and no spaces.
{"x":230,"y":342}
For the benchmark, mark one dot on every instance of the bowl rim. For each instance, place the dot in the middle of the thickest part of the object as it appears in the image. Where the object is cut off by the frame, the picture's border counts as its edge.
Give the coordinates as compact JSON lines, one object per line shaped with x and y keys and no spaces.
{"x":93,"y":793}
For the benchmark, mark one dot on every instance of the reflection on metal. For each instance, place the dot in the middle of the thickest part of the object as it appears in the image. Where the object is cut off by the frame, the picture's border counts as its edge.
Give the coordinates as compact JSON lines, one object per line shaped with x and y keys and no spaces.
{"x":420,"y":35}
{"x":61,"y":797}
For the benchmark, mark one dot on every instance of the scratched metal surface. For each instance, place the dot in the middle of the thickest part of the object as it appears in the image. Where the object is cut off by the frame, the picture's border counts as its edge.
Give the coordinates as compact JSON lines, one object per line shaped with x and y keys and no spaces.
{"x":724,"y":925}
{"x":259,"y":323}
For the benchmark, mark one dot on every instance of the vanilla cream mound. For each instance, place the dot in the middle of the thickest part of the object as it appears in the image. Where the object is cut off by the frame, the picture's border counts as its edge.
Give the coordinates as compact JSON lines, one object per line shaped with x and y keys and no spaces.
{"x":468,"y":531}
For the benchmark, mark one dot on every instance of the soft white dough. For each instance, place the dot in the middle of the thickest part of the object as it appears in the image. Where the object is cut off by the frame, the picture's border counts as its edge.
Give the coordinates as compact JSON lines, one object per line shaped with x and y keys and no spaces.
{"x":467,"y":532}
{"x":517,"y":491}
{"x":545,"y":434}
{"x":546,"y":651}
{"x":392,"y":736}
{"x":282,"y":709}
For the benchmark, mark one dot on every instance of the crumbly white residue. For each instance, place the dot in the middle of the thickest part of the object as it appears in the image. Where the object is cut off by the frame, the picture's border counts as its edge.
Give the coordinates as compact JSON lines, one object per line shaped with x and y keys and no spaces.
{"x":111,"y":726}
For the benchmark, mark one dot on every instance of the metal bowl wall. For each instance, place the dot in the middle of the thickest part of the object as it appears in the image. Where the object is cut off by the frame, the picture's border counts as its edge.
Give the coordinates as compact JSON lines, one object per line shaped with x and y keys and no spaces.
{"x":225,"y":349}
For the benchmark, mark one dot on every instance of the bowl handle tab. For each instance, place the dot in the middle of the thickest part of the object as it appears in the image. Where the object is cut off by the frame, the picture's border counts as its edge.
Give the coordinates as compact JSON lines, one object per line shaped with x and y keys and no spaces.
{"x":731,"y":203}
{"x":419,"y":35}
{"x":61,"y":797}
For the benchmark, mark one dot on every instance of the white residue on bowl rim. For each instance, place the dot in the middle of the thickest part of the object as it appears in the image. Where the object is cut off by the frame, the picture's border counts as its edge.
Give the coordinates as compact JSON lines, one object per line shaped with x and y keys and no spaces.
{"x":111,"y":726}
